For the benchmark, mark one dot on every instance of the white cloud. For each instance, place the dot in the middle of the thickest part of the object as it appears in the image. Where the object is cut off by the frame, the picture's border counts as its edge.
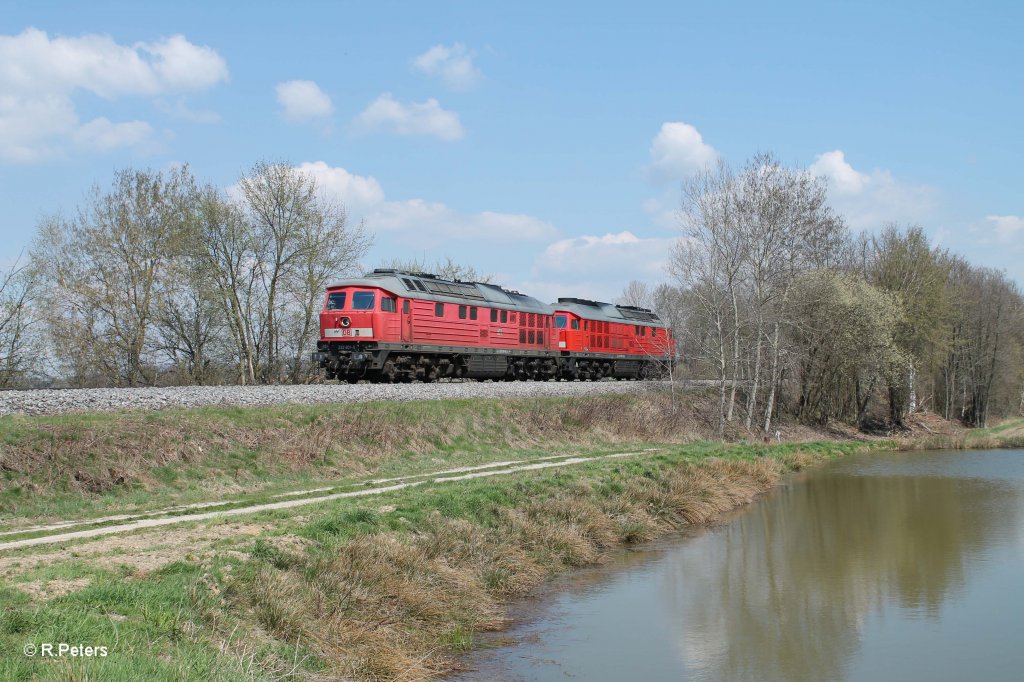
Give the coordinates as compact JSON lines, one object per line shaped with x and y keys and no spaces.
{"x":453,"y":65}
{"x":579,"y":266}
{"x":1006,"y":227}
{"x":101,"y":135}
{"x":840,"y":174}
{"x":179,"y":109}
{"x":303,"y":101}
{"x":424,"y":224}
{"x":359,"y":194}
{"x":418,"y":223}
{"x":40,"y":75}
{"x":869,"y":200}
{"x":386,"y":114}
{"x":181,"y":66}
{"x":621,"y":252}
{"x":677,"y":151}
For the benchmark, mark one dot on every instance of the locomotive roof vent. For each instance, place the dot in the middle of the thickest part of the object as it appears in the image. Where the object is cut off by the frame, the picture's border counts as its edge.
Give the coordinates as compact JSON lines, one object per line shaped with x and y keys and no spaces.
{"x":395,"y":271}
{"x":580,"y":301}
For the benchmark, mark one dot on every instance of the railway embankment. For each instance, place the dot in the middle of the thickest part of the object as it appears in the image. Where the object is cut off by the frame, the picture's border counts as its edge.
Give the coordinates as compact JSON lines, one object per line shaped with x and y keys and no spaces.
{"x":389,"y":585}
{"x":83,"y":400}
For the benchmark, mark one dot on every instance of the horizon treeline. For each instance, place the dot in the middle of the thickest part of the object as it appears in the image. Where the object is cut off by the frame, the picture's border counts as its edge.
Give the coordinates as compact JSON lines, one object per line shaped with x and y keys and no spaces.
{"x":795,"y":316}
{"x":161,"y":280}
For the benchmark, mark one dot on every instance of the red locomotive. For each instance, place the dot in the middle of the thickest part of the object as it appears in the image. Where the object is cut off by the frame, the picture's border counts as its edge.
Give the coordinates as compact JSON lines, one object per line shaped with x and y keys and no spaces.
{"x":400,"y":326}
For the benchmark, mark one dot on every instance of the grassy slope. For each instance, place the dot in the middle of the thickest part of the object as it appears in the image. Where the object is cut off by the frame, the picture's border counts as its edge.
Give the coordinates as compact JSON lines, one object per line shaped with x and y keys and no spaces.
{"x":366,"y":588}
{"x":372,"y":588}
{"x":52,"y":468}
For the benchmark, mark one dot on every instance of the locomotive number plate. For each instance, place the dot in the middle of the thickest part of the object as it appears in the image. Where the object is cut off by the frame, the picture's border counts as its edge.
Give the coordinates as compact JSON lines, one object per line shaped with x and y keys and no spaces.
{"x":348,"y":332}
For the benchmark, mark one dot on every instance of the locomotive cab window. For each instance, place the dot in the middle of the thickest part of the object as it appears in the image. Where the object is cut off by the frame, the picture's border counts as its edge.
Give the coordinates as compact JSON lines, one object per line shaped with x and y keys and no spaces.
{"x":336,"y":300}
{"x":363,"y":300}
{"x":586,"y":325}
{"x":462,"y":312}
{"x":576,"y":324}
{"x":439,"y":309}
{"x":472,"y":313}
{"x":559,"y":321}
{"x":387,"y":304}
{"x":405,"y":306}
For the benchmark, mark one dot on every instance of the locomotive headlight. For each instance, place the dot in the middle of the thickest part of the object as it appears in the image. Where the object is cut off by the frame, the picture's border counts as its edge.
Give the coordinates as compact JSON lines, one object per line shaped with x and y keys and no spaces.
{"x":345,"y":322}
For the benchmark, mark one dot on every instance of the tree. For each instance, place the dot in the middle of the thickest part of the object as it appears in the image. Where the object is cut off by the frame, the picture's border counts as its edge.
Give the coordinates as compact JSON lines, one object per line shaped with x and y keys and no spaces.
{"x":905,"y":265}
{"x":18,"y":288}
{"x":105,"y":269}
{"x":984,"y":356}
{"x":637,"y":294}
{"x":844,"y":340}
{"x":299,"y":240}
{"x":707,"y":262}
{"x":225,"y":252}
{"x":446,"y":268}
{"x":788,"y":229}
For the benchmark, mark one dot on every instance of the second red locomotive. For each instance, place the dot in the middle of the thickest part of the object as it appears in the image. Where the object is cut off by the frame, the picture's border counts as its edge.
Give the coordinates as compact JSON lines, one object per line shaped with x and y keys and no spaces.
{"x":402,"y":326}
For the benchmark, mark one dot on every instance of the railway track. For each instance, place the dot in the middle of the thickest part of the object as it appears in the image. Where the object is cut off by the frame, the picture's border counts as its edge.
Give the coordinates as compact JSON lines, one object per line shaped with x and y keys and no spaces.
{"x":59,"y":401}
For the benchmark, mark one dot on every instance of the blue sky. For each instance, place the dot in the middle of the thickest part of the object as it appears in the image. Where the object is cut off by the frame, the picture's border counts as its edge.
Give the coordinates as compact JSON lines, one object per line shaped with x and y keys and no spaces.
{"x":544,"y":144}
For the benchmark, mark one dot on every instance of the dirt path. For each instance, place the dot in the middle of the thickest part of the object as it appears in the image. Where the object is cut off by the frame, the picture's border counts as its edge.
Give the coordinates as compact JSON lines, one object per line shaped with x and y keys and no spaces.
{"x":144,"y":520}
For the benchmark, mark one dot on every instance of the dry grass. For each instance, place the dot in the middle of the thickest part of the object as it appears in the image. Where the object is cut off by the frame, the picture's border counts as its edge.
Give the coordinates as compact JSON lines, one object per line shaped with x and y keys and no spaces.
{"x":397,"y":604}
{"x":95,"y":454}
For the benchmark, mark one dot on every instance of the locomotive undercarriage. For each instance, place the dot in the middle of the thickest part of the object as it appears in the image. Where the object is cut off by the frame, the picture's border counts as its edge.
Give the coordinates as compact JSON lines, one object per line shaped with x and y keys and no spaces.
{"x":357,"y":361}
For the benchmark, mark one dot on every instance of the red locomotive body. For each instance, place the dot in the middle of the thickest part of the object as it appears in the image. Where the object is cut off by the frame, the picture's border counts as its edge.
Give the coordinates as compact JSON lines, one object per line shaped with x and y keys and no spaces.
{"x":401,"y":326}
{"x":606,"y":340}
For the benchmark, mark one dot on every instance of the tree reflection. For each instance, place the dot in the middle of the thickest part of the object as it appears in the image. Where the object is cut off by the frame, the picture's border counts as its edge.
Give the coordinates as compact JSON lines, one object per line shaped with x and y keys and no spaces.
{"x":783,"y":592}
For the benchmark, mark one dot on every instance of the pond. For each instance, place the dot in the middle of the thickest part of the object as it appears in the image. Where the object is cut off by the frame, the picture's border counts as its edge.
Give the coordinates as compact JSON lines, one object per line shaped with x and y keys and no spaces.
{"x":895,"y":566}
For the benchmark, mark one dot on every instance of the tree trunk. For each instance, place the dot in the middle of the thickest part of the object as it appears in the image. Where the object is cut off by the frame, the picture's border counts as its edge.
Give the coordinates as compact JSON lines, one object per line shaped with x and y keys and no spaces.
{"x":774,"y":383}
{"x":755,"y":380}
{"x":735,"y":354}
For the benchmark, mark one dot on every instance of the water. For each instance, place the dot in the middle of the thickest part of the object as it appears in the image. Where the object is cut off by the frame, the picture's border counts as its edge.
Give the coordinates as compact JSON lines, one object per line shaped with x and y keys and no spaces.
{"x":877,"y":567}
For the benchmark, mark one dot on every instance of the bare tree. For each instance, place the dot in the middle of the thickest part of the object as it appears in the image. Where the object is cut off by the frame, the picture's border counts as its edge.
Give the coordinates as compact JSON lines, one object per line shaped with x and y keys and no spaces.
{"x":105,"y":269}
{"x":789,"y":229}
{"x":699,"y":272}
{"x":446,"y":268}
{"x":299,"y":239}
{"x":18,"y":287}
{"x":328,"y":249}
{"x":708,"y":262}
{"x":225,"y":252}
{"x":636,"y":293}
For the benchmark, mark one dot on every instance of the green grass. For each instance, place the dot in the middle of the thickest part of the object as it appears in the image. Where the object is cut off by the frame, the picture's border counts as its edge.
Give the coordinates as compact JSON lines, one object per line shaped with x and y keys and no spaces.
{"x":191,"y":619}
{"x":96,"y":464}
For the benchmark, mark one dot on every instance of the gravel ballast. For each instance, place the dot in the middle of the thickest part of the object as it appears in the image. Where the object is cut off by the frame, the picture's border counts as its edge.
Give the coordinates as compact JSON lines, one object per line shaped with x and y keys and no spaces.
{"x":40,"y":402}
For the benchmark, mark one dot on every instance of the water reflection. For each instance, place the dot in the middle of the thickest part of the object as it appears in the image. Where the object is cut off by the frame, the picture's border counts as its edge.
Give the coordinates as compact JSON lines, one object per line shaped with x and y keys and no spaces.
{"x":850,"y":559}
{"x":784,"y":590}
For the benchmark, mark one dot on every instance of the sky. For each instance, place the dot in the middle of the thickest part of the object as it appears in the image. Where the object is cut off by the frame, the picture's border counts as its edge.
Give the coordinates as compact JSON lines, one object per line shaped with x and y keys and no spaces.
{"x":543,"y":143}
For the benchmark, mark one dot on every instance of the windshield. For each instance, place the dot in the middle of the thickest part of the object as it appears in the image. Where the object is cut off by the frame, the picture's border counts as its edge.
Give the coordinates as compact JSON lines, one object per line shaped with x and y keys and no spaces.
{"x":336,"y":300}
{"x":362,"y":300}
{"x":559,"y":321}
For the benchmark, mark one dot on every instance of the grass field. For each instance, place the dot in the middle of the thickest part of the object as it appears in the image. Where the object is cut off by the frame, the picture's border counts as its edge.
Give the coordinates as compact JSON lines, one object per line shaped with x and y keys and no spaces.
{"x":386,"y":587}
